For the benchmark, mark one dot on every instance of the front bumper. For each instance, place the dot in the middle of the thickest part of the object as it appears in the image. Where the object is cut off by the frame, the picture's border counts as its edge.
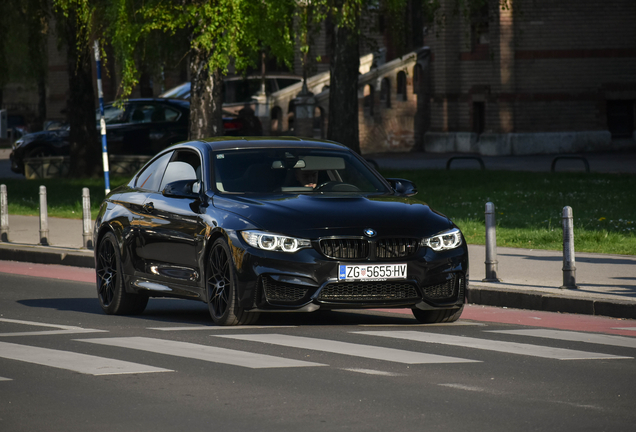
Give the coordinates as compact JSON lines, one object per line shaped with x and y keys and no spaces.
{"x":307,"y":280}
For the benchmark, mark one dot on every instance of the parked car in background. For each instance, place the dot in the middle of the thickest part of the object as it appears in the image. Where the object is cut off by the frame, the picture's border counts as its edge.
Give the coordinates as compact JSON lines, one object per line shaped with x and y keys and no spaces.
{"x":263,"y":225}
{"x":238,"y":89}
{"x":139,"y":127}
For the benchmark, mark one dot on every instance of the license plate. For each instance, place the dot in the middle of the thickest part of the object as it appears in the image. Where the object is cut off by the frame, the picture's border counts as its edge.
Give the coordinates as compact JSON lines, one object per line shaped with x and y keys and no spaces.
{"x":371,"y":272}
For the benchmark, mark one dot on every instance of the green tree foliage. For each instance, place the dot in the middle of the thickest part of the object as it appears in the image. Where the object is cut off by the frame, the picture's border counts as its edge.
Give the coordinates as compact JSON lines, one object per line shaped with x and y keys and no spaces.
{"x":216,"y":35}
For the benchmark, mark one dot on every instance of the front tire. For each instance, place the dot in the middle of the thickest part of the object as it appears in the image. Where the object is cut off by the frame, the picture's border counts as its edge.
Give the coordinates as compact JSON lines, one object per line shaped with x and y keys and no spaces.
{"x":111,"y":293}
{"x":437,"y":316}
{"x":221,"y":289}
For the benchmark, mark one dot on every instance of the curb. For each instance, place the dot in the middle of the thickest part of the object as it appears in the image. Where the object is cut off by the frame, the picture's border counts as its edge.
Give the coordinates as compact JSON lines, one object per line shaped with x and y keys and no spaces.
{"x":47,"y":255}
{"x":532,"y":300}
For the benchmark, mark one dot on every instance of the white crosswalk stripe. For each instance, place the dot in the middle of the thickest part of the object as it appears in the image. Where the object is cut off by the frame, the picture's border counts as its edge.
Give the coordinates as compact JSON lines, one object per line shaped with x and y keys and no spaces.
{"x":202,"y":352}
{"x":351,"y":349}
{"x":595,"y":338}
{"x":61,"y":329}
{"x":82,"y":363}
{"x":493,"y":345}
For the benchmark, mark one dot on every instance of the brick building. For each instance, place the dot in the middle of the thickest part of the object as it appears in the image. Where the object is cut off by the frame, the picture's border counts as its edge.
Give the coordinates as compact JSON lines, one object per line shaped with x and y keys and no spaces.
{"x":541,"y":76}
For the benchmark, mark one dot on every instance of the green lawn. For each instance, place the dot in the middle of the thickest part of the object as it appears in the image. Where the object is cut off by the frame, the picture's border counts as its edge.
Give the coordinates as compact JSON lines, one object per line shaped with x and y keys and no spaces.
{"x":528,"y":205}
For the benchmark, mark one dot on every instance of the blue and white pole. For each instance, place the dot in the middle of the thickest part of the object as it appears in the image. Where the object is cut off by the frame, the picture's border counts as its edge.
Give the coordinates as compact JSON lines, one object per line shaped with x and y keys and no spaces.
{"x":102,"y":121}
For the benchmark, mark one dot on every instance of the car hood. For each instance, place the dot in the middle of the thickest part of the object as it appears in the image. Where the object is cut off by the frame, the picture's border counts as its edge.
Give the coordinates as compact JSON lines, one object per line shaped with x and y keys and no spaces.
{"x":319,"y":215}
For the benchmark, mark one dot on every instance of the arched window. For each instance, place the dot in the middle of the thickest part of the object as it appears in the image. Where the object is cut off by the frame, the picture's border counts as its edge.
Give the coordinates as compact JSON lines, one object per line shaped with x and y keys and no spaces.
{"x":319,"y":123}
{"x":418,"y":80}
{"x":401,"y":86}
{"x":276,"y":117}
{"x":385,"y":93}
{"x":369,"y":100}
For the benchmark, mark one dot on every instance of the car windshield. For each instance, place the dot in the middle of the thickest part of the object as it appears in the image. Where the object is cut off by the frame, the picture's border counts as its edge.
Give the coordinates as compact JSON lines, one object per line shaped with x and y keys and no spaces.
{"x":293,"y":171}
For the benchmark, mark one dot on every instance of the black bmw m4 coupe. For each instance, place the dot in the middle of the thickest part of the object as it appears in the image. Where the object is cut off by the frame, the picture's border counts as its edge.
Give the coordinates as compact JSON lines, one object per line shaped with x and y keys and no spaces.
{"x":253,"y":225}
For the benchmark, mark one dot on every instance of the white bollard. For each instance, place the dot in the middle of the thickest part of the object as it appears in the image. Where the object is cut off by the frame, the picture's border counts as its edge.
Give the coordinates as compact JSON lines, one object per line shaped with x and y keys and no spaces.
{"x":491,"y":245}
{"x":44,"y":218}
{"x":4,"y":214}
{"x":569,"y":267}
{"x":86,"y":218}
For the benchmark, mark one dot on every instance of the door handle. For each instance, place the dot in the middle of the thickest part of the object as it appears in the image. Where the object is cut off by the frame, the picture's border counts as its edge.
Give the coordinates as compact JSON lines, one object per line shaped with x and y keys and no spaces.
{"x":149,"y":207}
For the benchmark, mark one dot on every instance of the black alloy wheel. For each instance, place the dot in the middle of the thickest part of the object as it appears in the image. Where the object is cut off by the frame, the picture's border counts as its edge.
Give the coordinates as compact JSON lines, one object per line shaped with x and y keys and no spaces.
{"x":112,"y":296}
{"x":437,"y":316}
{"x":221,"y":288}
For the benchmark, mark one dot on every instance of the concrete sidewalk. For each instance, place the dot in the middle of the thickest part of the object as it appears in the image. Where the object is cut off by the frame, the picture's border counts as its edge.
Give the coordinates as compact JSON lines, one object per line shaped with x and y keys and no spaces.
{"x":530,"y":278}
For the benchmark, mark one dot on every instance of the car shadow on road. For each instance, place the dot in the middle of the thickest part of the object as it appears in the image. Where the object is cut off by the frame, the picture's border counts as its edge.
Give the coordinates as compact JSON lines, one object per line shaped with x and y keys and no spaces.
{"x":187,"y":312}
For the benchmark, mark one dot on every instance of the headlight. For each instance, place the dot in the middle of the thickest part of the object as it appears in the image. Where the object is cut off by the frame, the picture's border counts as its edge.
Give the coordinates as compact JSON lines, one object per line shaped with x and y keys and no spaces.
{"x":274,"y":242}
{"x":25,"y":139}
{"x":445,"y":240}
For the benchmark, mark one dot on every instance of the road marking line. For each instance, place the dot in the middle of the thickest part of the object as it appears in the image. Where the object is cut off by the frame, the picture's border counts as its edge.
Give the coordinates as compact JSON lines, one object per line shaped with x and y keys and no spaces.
{"x":63,"y":329}
{"x":215,"y":328}
{"x":624,"y":328}
{"x":493,"y":345}
{"x":595,"y":338}
{"x":202,"y":352}
{"x":373,"y":372}
{"x":5,"y":379}
{"x":467,"y":388}
{"x":455,"y":324}
{"x":357,"y":350}
{"x":82,"y":363}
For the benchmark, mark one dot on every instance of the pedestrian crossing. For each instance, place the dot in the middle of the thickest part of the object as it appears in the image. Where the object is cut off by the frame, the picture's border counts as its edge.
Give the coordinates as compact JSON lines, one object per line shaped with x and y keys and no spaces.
{"x":367,"y":344}
{"x":76,"y":362}
{"x":349,"y":349}
{"x":201,"y":352}
{"x":494,"y":345}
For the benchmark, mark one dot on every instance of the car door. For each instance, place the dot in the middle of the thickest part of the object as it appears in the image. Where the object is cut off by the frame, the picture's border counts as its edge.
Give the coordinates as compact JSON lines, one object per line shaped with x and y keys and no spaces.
{"x":116,"y":119}
{"x":173,"y":234}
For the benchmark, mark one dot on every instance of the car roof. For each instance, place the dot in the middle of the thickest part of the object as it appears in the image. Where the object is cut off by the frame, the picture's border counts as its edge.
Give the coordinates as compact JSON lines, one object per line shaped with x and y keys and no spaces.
{"x":180,"y":102}
{"x":236,"y":143}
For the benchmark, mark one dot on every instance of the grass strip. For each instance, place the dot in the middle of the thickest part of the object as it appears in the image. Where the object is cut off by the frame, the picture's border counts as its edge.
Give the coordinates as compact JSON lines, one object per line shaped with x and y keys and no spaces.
{"x":528,"y":204}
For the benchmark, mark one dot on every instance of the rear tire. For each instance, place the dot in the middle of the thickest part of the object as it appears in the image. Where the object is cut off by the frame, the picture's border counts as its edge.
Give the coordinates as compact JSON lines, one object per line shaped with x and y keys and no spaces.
{"x":222,"y":295}
{"x":111,"y":293}
{"x":437,"y":316}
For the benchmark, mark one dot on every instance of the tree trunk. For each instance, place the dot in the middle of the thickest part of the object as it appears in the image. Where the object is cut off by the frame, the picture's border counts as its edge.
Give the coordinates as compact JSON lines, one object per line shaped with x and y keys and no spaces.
{"x":343,"y":88}
{"x":80,"y":110}
{"x":206,"y":102}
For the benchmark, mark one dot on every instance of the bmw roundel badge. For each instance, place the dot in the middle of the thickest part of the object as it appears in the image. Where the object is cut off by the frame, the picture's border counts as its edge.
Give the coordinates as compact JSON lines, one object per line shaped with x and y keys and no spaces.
{"x":370,"y":232}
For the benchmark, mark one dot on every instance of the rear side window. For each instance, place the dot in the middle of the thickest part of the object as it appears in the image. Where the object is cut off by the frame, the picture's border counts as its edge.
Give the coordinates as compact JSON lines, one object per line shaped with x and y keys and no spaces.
{"x":153,"y":113}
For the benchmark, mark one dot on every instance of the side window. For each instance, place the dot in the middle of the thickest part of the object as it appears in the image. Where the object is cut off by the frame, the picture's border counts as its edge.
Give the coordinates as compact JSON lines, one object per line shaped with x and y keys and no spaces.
{"x":170,"y":115}
{"x":184,"y":165}
{"x":112,"y":115}
{"x":150,"y":177}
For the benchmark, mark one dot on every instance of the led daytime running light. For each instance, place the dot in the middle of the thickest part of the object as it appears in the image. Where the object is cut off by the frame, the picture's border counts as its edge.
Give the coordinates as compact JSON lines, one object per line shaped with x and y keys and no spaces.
{"x":274,"y":242}
{"x":444,"y":241}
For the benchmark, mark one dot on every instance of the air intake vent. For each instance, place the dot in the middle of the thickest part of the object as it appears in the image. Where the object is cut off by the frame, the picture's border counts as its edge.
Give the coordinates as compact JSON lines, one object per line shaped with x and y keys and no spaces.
{"x":282,"y":292}
{"x":368,"y":291}
{"x":443,"y":291}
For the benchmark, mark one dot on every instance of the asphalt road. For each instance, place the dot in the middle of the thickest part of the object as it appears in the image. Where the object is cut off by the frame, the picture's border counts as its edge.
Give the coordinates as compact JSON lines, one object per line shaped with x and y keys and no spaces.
{"x":64,"y":365}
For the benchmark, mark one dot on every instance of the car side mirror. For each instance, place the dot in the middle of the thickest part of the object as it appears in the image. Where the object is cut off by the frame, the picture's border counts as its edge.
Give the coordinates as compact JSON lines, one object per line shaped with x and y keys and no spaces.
{"x":403,"y":187}
{"x":182,"y":189}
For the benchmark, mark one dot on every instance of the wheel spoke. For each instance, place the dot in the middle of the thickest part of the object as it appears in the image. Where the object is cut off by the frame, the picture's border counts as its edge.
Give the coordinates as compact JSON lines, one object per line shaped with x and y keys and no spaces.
{"x":218,"y":282}
{"x":107,"y":272}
